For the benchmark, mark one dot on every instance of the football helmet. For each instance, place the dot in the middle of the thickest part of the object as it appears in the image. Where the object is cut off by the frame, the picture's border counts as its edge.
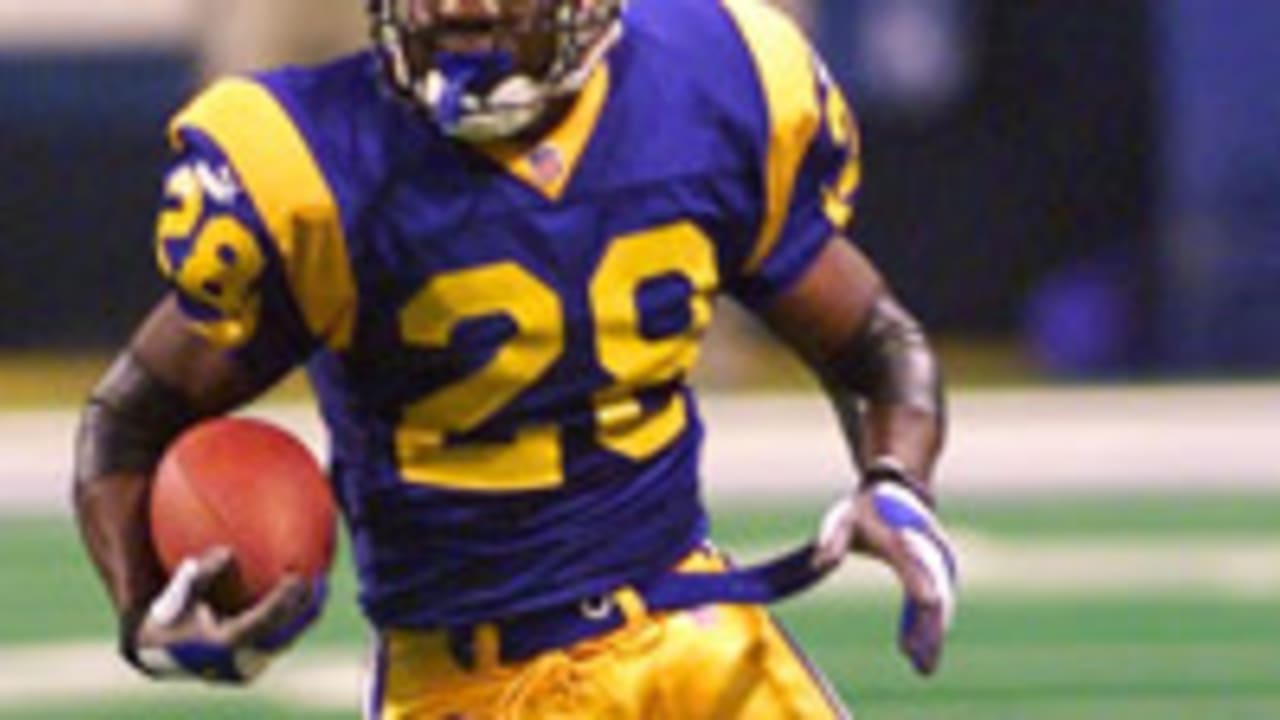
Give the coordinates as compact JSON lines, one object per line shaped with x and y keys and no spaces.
{"x":490,"y":69}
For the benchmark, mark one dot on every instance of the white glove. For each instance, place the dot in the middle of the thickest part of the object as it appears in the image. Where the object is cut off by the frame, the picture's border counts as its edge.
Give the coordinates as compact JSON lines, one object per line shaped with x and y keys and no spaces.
{"x":183,"y":637}
{"x":889,"y":521}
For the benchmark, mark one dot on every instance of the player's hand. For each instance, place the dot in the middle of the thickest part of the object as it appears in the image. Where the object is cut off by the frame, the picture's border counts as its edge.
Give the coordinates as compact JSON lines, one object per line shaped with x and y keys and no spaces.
{"x":888,"y":521}
{"x":183,"y":636}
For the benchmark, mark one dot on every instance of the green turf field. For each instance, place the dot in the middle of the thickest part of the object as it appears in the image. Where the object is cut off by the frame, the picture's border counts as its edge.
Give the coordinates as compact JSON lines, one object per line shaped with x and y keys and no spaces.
{"x":1203,"y":650}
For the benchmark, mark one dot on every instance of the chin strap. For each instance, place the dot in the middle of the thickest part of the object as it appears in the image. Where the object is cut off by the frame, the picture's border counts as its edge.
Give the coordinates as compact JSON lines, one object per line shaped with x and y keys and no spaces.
{"x":477,"y":96}
{"x":449,"y":90}
{"x":510,"y":102}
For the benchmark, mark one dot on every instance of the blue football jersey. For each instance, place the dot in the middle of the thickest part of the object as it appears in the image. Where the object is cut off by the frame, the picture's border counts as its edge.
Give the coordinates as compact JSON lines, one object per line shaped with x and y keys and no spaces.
{"x":500,"y":337}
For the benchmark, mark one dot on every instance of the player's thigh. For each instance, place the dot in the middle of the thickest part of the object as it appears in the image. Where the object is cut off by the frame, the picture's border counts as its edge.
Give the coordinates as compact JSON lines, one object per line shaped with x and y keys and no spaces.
{"x":735,"y":662}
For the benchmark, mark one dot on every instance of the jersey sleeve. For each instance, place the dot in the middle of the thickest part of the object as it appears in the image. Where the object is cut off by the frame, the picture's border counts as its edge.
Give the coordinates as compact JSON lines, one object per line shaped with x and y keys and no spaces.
{"x":249,"y":236}
{"x":810,"y":161}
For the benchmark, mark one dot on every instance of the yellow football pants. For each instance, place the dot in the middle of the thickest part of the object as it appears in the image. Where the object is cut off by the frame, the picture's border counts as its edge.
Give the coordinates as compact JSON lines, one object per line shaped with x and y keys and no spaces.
{"x":723,"y":662}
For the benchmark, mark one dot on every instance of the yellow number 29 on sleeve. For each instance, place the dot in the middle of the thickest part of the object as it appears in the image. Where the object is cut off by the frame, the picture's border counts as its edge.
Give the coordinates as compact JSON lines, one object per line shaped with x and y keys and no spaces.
{"x":219,"y":266}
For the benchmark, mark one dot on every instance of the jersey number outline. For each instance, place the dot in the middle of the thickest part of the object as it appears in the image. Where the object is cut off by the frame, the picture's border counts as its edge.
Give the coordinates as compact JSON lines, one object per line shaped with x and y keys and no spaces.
{"x":533,"y":459}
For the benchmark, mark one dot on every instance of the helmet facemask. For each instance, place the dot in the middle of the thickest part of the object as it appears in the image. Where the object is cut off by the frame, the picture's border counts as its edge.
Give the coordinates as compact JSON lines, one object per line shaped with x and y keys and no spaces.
{"x":491,"y":69}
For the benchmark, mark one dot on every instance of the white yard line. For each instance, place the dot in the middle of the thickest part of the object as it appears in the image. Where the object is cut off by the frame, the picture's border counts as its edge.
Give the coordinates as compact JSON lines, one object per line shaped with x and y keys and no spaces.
{"x":73,"y":23}
{"x":1199,"y":438}
{"x":90,"y":672}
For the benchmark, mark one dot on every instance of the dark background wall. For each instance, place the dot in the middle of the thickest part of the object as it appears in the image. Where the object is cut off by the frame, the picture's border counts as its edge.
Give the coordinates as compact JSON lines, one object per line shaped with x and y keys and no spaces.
{"x":1035,"y":158}
{"x":81,"y":156}
{"x":1220,"y":181}
{"x":1100,"y":179}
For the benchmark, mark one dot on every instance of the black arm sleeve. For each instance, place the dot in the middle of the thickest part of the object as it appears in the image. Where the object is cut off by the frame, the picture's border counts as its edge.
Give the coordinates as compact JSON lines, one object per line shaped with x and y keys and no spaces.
{"x":130,"y":418}
{"x":890,"y":364}
{"x":128,"y":421}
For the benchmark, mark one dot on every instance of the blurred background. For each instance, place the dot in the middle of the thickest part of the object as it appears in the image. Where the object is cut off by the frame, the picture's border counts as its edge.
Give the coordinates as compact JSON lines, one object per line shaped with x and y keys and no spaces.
{"x":1080,"y":199}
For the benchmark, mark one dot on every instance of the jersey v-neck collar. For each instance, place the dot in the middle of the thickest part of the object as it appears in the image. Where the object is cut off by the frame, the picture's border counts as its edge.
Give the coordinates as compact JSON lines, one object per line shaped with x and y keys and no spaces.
{"x":547,"y":165}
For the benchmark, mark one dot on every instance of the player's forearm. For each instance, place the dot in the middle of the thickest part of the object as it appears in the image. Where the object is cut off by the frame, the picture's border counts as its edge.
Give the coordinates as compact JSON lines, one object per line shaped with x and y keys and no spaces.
{"x":873,"y":358}
{"x":887,"y":387}
{"x":889,"y":436}
{"x":912,"y":435}
{"x":112,"y":515}
{"x":126,"y":424}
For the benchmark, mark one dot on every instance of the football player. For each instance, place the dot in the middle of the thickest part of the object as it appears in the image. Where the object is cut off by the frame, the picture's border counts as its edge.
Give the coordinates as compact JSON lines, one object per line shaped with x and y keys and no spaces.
{"x":496,"y":240}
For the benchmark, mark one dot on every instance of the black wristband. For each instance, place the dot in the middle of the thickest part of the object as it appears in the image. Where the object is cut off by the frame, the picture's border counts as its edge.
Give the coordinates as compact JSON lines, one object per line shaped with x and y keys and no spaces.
{"x":889,"y":470}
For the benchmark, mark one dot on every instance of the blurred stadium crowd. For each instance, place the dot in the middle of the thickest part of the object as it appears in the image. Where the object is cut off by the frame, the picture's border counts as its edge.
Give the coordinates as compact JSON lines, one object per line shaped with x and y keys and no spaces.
{"x":1095,"y":182}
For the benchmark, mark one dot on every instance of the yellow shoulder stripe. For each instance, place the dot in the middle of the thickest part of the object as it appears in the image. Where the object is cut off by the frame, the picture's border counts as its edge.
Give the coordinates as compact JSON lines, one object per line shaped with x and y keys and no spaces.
{"x":290,"y":193}
{"x":784,"y":63}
